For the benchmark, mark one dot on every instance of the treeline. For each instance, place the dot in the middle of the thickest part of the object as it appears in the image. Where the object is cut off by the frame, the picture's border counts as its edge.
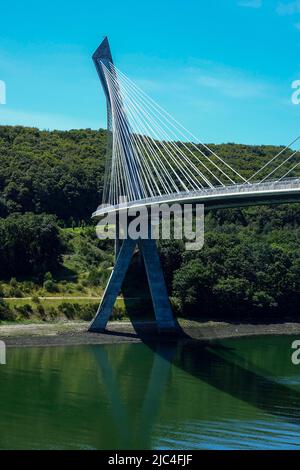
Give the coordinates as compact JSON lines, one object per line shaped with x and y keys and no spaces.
{"x":30,"y":245}
{"x":249,"y":266}
{"x":61,"y":172}
{"x":55,"y":172}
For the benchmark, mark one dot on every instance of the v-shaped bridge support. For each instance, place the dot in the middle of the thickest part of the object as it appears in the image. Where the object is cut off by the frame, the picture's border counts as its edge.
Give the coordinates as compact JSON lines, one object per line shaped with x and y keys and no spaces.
{"x":162,"y":308}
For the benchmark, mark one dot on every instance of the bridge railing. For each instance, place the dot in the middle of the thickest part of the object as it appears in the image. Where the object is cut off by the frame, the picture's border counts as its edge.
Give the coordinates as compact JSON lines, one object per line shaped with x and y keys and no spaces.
{"x":274,"y":185}
{"x":235,"y":188}
{"x":266,"y":186}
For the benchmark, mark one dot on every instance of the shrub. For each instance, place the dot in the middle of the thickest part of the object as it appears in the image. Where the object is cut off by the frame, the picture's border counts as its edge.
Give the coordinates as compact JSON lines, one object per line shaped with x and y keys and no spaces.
{"x":53,"y":313}
{"x":50,"y":286}
{"x":106,"y":264}
{"x":118,"y":313}
{"x":48,"y":276}
{"x":6,"y":313}
{"x":70,"y":288}
{"x":95,"y":277}
{"x":15,"y":292}
{"x":30,"y":244}
{"x":13,"y":282}
{"x":24,"y":310}
{"x":104,"y":277}
{"x":28,"y":286}
{"x":69,"y":310}
{"x":41,"y":311}
{"x":87,"y":311}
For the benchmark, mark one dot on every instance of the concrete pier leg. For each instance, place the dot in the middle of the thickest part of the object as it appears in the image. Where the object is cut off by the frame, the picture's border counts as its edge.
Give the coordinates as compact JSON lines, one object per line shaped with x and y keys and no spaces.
{"x":118,"y":241}
{"x":162,"y":308}
{"x":113,"y":286}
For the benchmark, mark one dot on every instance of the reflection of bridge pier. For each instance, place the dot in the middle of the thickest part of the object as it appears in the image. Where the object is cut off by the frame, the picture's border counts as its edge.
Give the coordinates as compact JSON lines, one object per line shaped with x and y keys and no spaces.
{"x":136,"y":435}
{"x":220,"y":372}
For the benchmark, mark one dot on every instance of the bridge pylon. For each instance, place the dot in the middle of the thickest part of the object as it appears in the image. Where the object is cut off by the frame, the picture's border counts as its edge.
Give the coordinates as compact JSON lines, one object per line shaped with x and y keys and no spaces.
{"x":124,"y":249}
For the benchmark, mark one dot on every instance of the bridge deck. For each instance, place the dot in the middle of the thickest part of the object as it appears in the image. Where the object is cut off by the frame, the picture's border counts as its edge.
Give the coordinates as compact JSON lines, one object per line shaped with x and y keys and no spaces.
{"x":239,"y":195}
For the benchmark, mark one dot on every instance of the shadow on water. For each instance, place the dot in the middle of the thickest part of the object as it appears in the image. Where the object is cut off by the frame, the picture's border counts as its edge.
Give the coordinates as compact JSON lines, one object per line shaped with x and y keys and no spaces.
{"x":199,"y":358}
{"x":239,"y":378}
{"x":212,"y":363}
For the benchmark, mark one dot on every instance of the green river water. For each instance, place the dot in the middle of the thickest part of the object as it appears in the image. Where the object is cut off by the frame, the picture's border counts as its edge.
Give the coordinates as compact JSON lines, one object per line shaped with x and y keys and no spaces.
{"x":239,"y":393}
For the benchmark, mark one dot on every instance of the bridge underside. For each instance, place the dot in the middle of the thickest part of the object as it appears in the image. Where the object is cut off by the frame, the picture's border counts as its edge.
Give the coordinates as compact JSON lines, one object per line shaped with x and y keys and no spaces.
{"x":247,"y":202}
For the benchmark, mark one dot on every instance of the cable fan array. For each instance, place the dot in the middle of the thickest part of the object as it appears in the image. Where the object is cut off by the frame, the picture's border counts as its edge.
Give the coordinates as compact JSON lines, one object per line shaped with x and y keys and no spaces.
{"x":287,"y":166}
{"x":150,"y":154}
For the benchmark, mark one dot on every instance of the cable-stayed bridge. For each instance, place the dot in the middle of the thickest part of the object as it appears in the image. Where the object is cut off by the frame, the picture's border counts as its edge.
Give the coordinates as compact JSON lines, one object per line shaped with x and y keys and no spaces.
{"x":153,"y":159}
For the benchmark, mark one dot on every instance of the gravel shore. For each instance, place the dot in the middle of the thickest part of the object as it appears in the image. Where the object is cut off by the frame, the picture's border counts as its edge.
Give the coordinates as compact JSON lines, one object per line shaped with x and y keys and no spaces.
{"x":75,"y":332}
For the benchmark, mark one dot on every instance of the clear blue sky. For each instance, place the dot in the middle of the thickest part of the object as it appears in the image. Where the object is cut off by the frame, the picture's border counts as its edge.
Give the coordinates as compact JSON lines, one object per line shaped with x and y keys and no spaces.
{"x":223,"y":68}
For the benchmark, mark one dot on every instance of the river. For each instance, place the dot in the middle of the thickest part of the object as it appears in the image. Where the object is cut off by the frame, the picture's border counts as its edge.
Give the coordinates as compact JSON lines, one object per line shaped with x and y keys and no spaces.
{"x":241,"y":393}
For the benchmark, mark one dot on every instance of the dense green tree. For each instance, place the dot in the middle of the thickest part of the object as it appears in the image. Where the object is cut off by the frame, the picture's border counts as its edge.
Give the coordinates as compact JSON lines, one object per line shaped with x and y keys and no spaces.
{"x":29,"y":245}
{"x":55,"y":172}
{"x":242,"y":267}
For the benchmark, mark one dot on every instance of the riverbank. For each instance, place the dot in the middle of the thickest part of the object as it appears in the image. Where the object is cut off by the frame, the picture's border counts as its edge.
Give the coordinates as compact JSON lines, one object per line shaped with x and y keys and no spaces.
{"x":75,"y":332}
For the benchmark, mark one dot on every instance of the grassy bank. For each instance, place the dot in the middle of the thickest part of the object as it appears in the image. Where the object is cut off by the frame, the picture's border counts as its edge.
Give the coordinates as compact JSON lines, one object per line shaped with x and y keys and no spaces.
{"x":28,"y":310}
{"x":74,"y":290}
{"x":55,"y":309}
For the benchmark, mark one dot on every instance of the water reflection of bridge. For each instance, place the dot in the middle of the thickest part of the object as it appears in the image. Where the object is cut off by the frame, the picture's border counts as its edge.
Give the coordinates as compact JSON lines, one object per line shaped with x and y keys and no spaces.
{"x":214,"y":365}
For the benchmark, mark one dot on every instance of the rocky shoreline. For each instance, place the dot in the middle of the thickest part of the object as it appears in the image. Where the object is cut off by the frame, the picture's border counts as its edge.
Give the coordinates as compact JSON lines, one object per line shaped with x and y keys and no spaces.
{"x":75,"y":333}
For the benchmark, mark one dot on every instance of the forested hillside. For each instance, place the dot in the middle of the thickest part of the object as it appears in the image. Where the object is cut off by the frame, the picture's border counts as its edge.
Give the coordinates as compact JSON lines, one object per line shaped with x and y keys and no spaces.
{"x":56,"y":172}
{"x":62,"y":173}
{"x":51,"y":182}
